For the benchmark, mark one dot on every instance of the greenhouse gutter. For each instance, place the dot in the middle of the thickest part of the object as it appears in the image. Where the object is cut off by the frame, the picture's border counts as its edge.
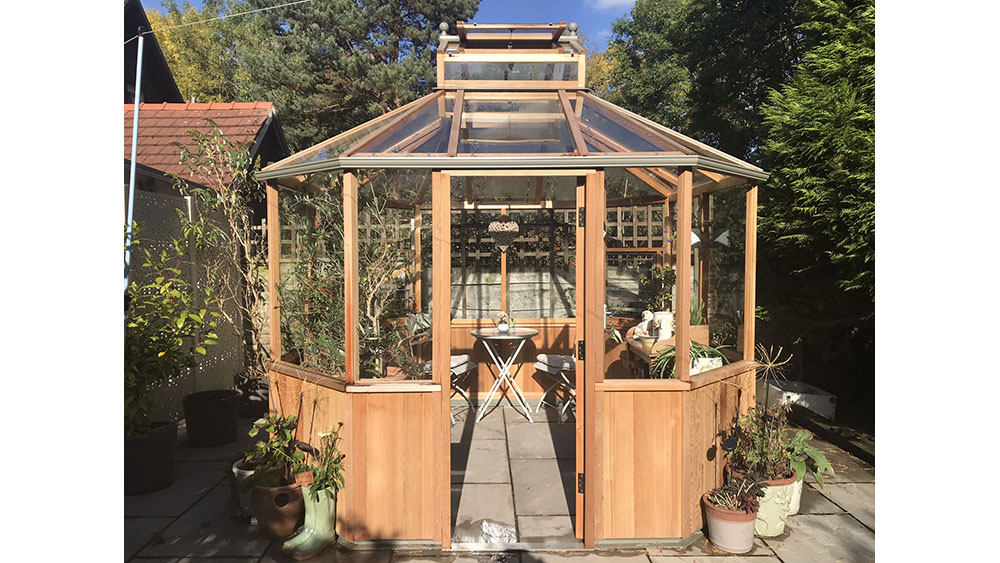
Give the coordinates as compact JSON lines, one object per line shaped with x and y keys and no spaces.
{"x":515,"y":163}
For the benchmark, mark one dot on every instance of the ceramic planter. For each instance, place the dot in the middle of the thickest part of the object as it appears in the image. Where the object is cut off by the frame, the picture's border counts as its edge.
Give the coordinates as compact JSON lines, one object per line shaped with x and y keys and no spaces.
{"x":242,"y":473}
{"x":279,"y":510}
{"x":793,"y":504}
{"x":729,"y":530}
{"x":319,"y":530}
{"x":503,"y":328}
{"x":211,"y":417}
{"x":774,"y":507}
{"x":149,"y":459}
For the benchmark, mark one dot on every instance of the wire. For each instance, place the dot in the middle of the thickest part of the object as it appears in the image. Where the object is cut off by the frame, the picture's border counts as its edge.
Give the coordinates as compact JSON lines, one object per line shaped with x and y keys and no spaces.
{"x":217,"y":18}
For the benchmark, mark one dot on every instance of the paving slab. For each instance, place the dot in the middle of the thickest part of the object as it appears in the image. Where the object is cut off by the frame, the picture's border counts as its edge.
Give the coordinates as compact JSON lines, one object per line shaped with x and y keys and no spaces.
{"x":848,"y":468}
{"x":208,"y":529}
{"x":715,"y":559}
{"x":543,"y":487}
{"x":195,"y":559}
{"x":471,"y":503}
{"x":502,"y":557}
{"x":544,"y":528}
{"x":482,"y":461}
{"x":546,"y":414}
{"x":701,"y":547}
{"x":856,"y":498}
{"x":585,"y":557}
{"x":815,"y":538}
{"x":139,"y":531}
{"x":466,"y":428}
{"x":333,"y":554}
{"x":815,"y":503}
{"x":542,"y":440}
{"x":192,"y":480}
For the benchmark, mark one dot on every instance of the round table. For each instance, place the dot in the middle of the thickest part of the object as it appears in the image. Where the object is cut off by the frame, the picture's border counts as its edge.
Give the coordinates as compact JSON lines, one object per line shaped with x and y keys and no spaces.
{"x":518,"y":335}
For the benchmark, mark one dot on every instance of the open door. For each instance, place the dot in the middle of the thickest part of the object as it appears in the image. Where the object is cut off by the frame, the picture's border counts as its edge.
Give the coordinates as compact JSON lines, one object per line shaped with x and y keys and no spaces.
{"x":581,"y":371}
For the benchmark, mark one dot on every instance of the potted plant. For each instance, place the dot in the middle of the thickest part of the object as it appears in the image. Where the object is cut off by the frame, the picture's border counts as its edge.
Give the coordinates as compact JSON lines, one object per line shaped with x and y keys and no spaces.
{"x":730,"y":512}
{"x":167,"y":326}
{"x":504,"y":322}
{"x":211,"y":417}
{"x":662,"y":366}
{"x":760,"y":454}
{"x":804,"y":458}
{"x":320,"y":528}
{"x":275,"y":498}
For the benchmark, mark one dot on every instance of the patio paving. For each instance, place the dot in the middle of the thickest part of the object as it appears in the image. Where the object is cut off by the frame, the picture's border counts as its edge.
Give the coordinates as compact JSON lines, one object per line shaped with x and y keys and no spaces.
{"x":505,"y":469}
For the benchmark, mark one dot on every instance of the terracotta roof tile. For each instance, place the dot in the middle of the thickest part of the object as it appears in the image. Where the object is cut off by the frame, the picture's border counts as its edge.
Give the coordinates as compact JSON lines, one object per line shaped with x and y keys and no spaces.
{"x":162,"y":124}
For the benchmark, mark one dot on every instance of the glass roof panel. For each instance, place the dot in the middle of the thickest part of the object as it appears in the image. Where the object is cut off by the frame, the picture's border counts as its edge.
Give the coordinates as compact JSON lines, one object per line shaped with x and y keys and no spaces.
{"x":419,"y":128}
{"x":514,"y":189}
{"x":515,"y":125}
{"x":606,"y":132}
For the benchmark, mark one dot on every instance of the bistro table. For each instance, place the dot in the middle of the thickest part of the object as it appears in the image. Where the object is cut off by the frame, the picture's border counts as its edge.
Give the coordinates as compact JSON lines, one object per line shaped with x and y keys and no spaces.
{"x":513,"y":335}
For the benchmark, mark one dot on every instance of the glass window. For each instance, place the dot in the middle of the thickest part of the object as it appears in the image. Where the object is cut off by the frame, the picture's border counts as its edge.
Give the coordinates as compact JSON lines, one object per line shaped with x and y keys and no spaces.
{"x":514,"y":126}
{"x":510,"y":71}
{"x":606,"y":132}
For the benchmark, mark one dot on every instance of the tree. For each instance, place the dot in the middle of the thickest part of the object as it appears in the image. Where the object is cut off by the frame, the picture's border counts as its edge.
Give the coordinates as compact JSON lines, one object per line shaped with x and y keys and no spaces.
{"x":332,"y":65}
{"x":203,"y":57}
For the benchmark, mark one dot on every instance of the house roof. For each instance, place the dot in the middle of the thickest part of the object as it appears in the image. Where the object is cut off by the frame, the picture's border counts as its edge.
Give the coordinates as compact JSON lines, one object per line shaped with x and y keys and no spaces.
{"x":162,"y":124}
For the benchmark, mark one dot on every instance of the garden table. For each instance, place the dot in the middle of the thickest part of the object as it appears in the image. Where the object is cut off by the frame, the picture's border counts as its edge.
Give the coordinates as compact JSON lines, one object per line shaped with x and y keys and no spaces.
{"x":513,"y":335}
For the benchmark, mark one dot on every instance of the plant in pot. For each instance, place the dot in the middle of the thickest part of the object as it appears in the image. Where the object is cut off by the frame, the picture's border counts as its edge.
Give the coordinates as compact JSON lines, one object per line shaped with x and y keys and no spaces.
{"x":320,"y":500}
{"x":275,"y":497}
{"x":760,"y":454}
{"x":730,"y":512}
{"x":804,"y":458}
{"x":662,"y":366}
{"x":168,"y":324}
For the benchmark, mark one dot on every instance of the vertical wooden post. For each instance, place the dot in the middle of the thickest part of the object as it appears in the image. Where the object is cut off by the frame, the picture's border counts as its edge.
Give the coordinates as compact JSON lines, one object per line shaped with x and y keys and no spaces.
{"x":273,"y":269}
{"x":579,"y":335}
{"x":668,"y":244}
{"x":418,"y":267}
{"x":682,"y":309}
{"x":594,"y":351}
{"x":441,"y":337}
{"x":750,"y":277}
{"x":705,"y":264}
{"x":351,"y":352}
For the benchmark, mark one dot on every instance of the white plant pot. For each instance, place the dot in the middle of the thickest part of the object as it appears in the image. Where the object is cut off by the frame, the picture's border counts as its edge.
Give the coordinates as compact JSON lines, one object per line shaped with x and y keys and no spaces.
{"x":503,"y":328}
{"x":666,"y":320}
{"x":701,"y":365}
{"x":774,"y":508}
{"x":242,"y":475}
{"x":793,"y":504}
{"x":799,"y":393}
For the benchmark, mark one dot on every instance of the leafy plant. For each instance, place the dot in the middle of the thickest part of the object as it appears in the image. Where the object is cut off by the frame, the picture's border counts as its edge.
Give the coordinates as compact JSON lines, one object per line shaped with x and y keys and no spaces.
{"x":760,"y":450}
{"x":662,"y":366}
{"x":697,"y":311}
{"x":277,"y":458}
{"x":168,"y":324}
{"x":738,"y":494}
{"x":659,"y":285}
{"x":328,"y":467}
{"x":722,"y":334}
{"x":806,"y":458}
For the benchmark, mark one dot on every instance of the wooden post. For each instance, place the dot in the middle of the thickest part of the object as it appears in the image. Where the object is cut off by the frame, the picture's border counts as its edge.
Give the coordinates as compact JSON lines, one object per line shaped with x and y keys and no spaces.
{"x":579,"y":334}
{"x":682,"y":309}
{"x":273,"y":269}
{"x":503,"y":274}
{"x":594,"y":350}
{"x":750,"y":277}
{"x":418,"y":267}
{"x":351,"y":352}
{"x":441,"y":346}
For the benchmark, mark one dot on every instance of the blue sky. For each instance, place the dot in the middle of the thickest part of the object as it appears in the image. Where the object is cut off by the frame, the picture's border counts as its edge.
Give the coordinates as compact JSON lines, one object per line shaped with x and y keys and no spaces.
{"x":593,"y":16}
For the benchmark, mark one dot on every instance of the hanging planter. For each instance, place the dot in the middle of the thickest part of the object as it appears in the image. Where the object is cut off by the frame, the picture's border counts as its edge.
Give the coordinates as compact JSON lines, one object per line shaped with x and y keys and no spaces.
{"x":504,"y":233}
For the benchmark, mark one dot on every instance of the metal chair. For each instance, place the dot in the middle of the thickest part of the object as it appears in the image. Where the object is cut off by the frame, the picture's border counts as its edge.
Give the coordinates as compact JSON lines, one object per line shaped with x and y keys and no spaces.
{"x":555,"y":368}
{"x":461,"y":366}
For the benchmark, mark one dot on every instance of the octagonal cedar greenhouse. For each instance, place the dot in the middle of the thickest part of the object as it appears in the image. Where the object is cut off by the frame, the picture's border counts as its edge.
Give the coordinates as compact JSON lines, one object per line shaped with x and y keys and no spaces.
{"x":389,"y":265}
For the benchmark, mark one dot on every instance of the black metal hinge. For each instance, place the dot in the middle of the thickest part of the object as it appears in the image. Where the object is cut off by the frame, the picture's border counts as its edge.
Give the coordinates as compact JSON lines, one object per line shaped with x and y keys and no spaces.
{"x":580,"y":214}
{"x":580,"y":350}
{"x":579,"y":483}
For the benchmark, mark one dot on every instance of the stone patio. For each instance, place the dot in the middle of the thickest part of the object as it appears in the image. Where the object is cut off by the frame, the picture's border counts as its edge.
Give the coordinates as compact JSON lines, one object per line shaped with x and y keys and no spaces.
{"x":503,"y":469}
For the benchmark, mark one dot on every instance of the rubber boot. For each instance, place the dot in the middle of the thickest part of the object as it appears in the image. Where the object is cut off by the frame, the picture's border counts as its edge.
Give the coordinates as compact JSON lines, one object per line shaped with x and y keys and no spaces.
{"x":307,"y":523}
{"x":319,"y":529}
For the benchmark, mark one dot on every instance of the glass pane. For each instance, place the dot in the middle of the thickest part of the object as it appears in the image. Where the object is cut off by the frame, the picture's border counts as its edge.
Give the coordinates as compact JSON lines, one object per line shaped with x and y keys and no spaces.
{"x":424,"y":130}
{"x":606,"y":132}
{"x":514,"y":126}
{"x":722,"y":255}
{"x":311,"y":287}
{"x":394,"y":322}
{"x":541,"y":264}
{"x":475,"y":263}
{"x":510,"y":71}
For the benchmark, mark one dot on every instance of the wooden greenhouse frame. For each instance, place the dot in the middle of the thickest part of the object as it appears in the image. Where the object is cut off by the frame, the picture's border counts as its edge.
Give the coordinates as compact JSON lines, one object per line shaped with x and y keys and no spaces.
{"x":512,"y":103}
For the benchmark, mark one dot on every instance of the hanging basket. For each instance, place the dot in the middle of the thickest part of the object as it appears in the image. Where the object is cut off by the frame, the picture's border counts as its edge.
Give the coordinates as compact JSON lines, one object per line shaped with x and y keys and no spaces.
{"x":503,"y":233}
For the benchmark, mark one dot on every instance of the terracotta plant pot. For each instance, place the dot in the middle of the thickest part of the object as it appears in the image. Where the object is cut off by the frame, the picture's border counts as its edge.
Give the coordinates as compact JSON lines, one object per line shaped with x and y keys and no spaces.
{"x":729,"y":530}
{"x":149,"y":459}
{"x":774,"y":507}
{"x":211,"y":417}
{"x":279,"y":510}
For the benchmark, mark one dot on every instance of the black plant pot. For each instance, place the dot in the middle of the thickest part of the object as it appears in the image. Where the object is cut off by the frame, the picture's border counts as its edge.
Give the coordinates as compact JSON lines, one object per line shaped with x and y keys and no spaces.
{"x":254,"y":402}
{"x":211,"y":417}
{"x":149,"y":459}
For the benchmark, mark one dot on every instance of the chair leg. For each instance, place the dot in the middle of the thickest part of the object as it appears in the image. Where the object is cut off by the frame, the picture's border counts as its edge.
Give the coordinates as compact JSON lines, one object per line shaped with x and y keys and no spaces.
{"x":546,"y":392}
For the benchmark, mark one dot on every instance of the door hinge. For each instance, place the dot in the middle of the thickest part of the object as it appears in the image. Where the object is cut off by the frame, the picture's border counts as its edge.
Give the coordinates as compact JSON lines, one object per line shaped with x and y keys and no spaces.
{"x":580,"y":350}
{"x":581,"y":213}
{"x":579,"y":483}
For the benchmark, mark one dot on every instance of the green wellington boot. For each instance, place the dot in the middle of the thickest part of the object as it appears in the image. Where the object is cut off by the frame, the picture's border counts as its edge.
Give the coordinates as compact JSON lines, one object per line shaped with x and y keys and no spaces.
{"x":319,"y":529}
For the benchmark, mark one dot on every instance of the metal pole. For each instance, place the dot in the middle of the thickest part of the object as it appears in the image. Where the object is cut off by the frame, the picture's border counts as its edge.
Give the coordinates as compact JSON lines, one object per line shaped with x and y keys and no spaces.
{"x":131,"y":174}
